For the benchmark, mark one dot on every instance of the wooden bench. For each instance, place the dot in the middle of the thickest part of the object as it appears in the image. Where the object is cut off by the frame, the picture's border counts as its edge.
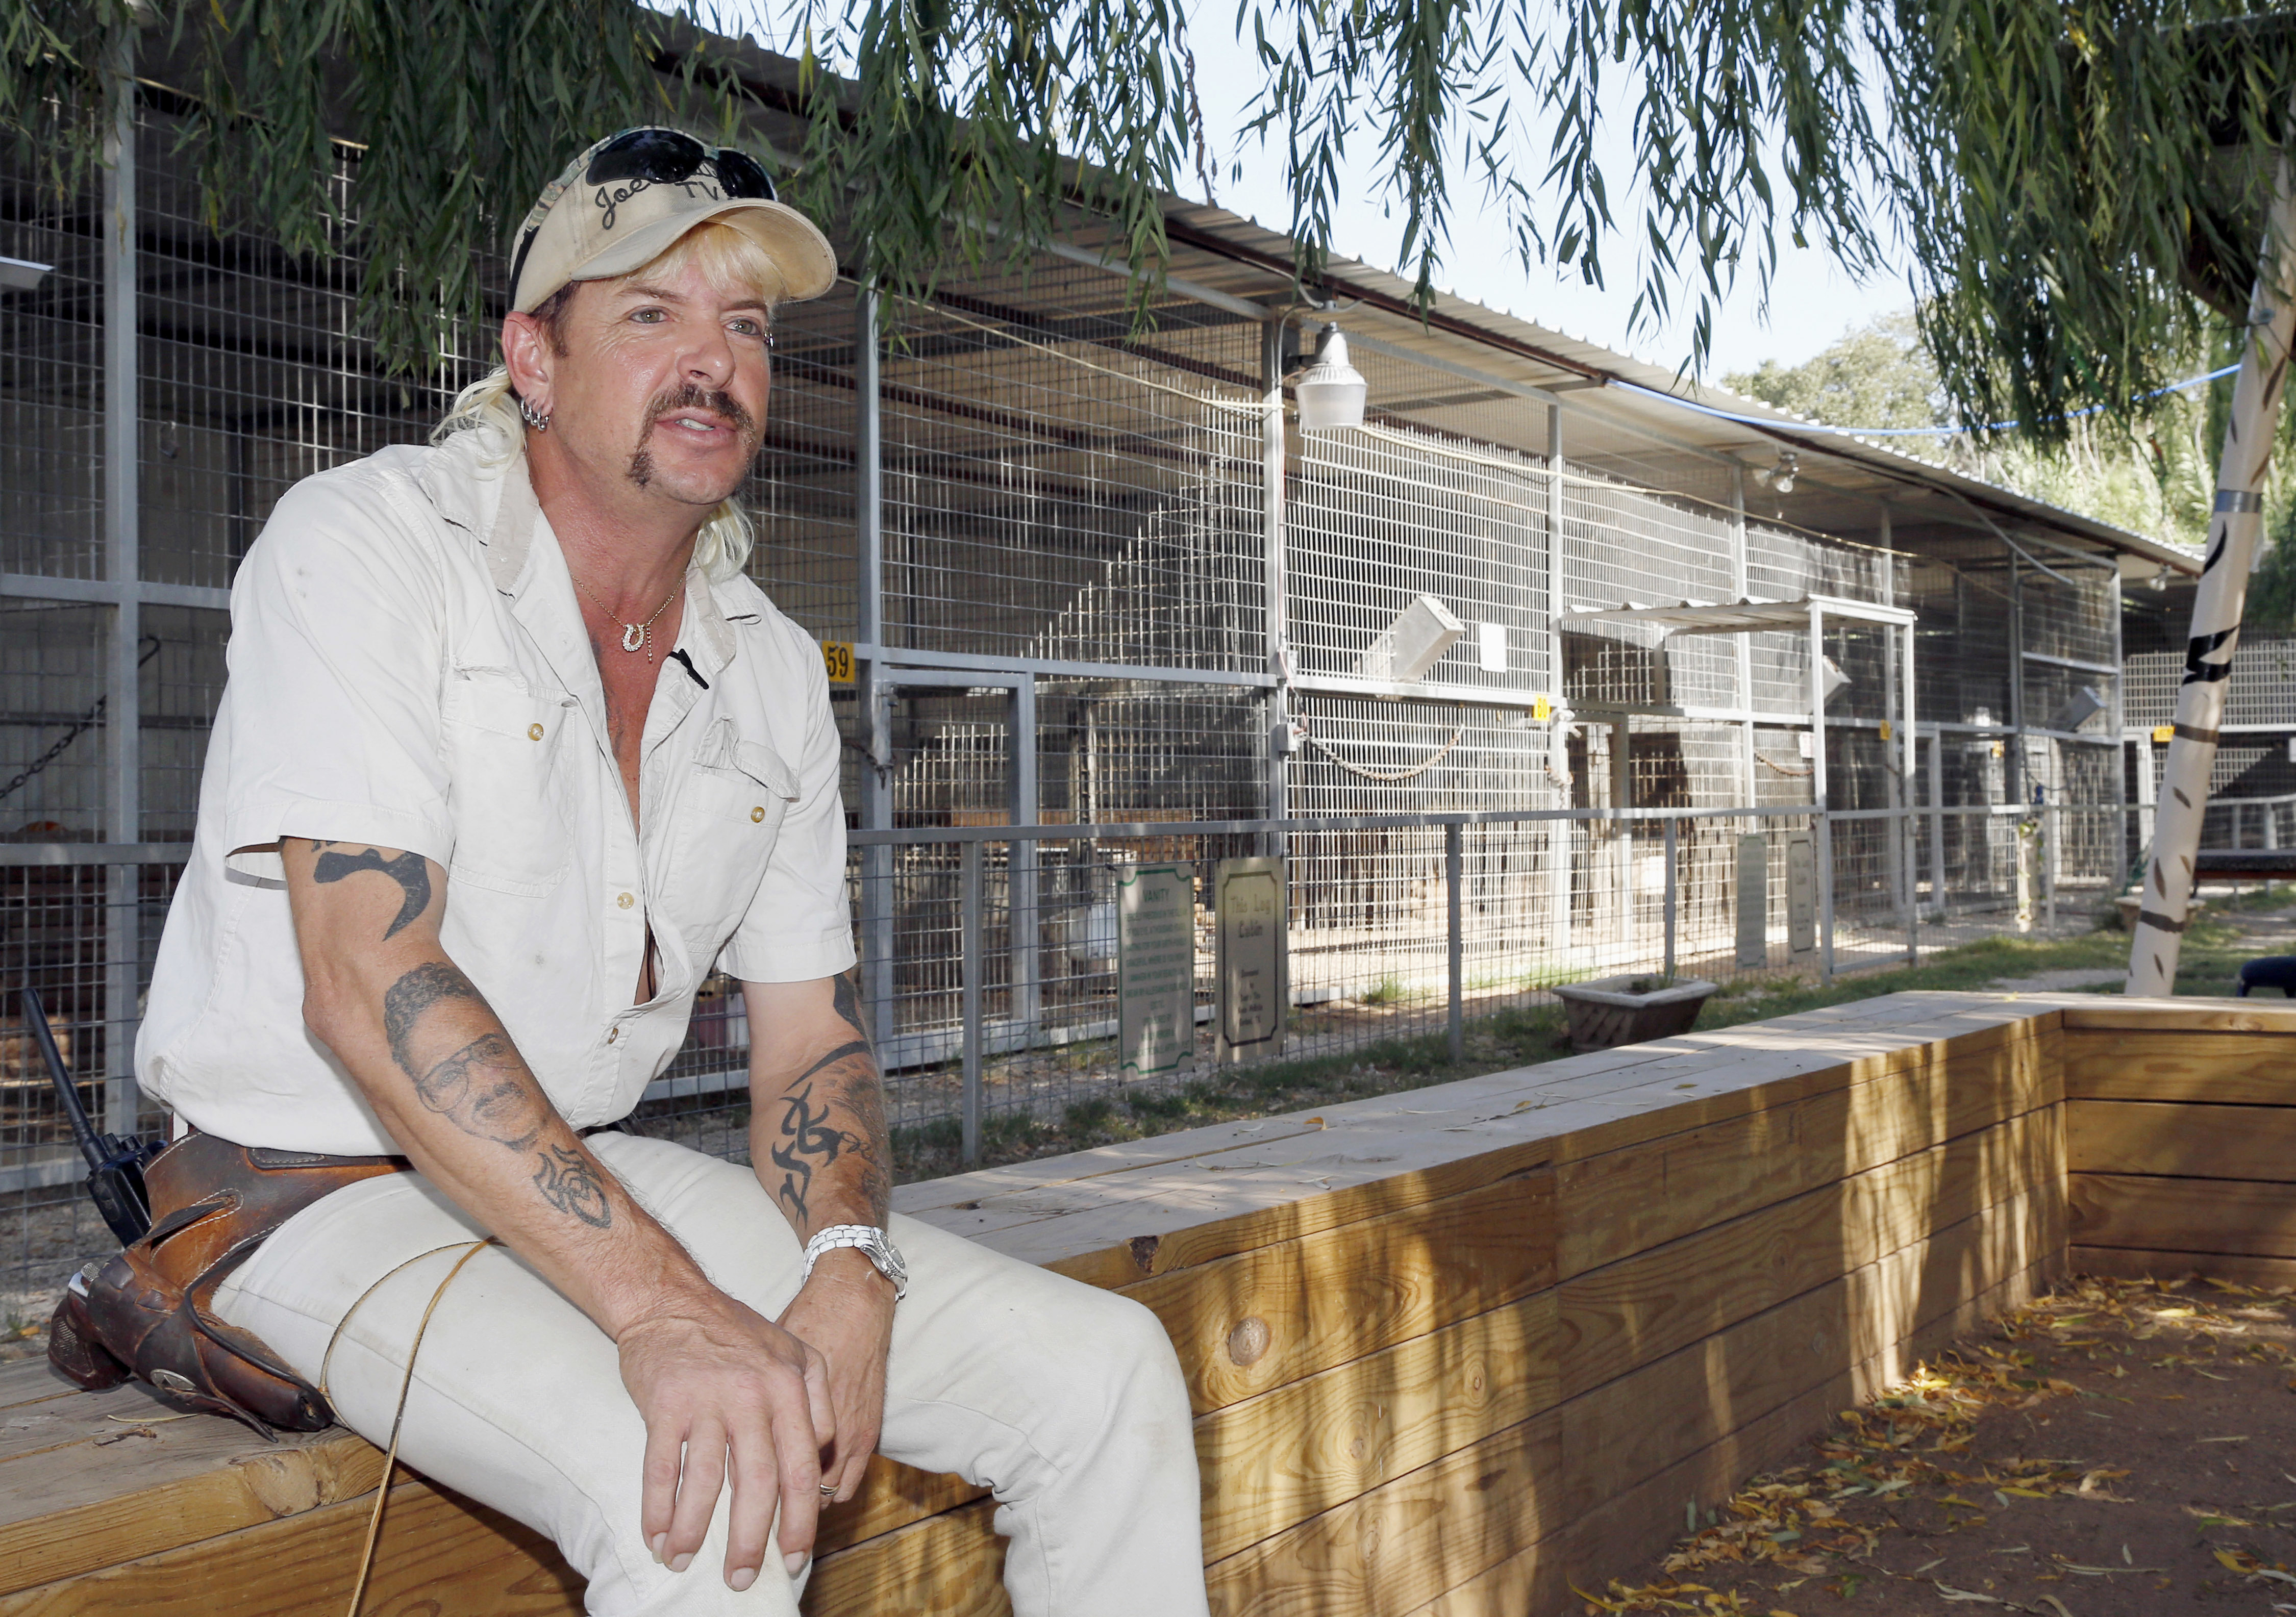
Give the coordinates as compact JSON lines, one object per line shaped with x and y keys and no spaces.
{"x":1451,"y":1352}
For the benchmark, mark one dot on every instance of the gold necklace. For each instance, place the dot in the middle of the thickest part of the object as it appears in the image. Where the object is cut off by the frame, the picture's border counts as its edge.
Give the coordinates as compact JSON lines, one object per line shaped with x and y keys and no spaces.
{"x":636,"y":637}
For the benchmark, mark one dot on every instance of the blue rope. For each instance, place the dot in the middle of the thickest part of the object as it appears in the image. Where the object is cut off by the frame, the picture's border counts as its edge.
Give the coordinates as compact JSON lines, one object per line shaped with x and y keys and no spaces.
{"x":1900,"y":432}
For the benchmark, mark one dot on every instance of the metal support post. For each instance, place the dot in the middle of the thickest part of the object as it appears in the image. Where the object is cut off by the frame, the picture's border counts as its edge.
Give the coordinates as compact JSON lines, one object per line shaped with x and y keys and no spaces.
{"x":1559,"y":832}
{"x":1021,"y":863}
{"x":1937,"y":821}
{"x":1897,"y":780}
{"x":1908,"y":765}
{"x":1673,"y":841}
{"x":1623,"y":842}
{"x":1453,"y":865}
{"x":1274,"y":584}
{"x":2049,"y":870}
{"x":1739,"y":589}
{"x":873,"y":693}
{"x":2233,"y":533}
{"x":2013,"y":770}
{"x":1819,"y":823}
{"x":122,"y":492}
{"x":970,"y":963}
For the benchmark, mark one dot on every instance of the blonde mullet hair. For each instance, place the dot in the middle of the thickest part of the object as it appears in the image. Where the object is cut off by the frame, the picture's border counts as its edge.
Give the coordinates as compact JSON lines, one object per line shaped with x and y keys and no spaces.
{"x":490,"y":404}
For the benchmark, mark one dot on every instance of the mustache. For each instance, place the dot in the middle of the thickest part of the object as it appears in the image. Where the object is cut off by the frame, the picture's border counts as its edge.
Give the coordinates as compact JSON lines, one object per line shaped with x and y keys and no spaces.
{"x":691,"y":396}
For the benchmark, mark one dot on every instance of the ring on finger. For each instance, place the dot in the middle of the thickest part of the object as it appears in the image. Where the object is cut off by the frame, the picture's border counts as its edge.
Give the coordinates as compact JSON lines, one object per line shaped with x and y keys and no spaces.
{"x":829,"y":1490}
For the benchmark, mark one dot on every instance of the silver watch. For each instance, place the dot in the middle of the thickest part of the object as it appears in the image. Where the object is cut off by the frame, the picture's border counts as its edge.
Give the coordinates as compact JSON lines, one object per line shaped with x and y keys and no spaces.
{"x":869,"y":1242}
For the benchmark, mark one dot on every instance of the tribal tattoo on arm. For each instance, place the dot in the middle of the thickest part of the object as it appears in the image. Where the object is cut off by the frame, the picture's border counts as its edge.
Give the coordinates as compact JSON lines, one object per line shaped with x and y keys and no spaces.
{"x":811,"y":1135}
{"x":411,"y":871}
{"x":486,"y":1090}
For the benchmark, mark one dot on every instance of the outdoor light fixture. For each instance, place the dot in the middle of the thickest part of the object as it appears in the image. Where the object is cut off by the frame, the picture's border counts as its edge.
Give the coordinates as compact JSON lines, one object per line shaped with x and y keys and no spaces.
{"x":22,"y":276}
{"x":2085,"y":702}
{"x":1407,"y":648}
{"x":1833,"y":682}
{"x":1330,"y":391}
{"x":1780,"y":478}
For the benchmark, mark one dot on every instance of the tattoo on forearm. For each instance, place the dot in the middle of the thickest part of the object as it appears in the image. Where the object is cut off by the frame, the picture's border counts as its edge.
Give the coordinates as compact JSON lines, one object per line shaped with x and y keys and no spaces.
{"x":809,"y":1142}
{"x":486,"y":1090}
{"x":847,"y":992}
{"x":568,"y":1183}
{"x":411,"y":871}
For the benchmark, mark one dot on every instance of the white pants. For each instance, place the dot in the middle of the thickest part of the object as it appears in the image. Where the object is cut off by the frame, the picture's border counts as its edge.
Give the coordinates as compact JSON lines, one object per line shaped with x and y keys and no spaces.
{"x":1064,"y":1400}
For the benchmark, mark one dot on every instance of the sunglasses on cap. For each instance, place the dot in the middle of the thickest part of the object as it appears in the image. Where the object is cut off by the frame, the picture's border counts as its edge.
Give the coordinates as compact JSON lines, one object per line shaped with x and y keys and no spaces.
{"x":671,"y":157}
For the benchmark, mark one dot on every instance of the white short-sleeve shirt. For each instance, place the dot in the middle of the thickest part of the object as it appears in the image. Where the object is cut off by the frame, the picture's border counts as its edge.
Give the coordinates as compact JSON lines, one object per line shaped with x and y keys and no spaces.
{"x":408,"y":668}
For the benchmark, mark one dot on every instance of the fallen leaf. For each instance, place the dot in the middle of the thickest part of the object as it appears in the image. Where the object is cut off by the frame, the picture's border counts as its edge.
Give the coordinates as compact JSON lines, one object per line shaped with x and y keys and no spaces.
{"x":2235,"y":1560}
{"x":1948,"y":1592}
{"x":2054,"y":1603}
{"x":2221,"y":1440}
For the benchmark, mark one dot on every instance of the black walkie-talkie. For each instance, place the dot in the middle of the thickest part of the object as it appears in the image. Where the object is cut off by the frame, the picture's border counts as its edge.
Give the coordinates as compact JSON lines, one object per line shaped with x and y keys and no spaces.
{"x":115,"y":1163}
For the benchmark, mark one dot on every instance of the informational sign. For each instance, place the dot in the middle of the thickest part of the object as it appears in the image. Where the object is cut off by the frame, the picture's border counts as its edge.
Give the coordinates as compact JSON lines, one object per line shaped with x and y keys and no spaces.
{"x":1801,"y":892}
{"x":1541,"y":709}
{"x":1155,"y":967}
{"x":837,"y":657}
{"x":1250,"y":979}
{"x":2162,"y":734}
{"x":1753,"y":900}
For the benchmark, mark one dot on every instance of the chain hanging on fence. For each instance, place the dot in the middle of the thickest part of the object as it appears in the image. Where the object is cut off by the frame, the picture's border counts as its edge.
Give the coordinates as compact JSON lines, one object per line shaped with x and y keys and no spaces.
{"x":1773,"y":766}
{"x":1387,"y":777}
{"x":86,"y":721}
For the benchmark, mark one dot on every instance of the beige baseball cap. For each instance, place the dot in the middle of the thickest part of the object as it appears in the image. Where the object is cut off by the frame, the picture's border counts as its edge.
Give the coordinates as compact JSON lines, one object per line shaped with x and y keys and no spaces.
{"x":623,"y":201}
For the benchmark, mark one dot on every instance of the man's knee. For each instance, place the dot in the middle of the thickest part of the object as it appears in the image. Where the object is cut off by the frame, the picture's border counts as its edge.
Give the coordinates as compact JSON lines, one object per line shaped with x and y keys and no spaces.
{"x":1127,"y":1373}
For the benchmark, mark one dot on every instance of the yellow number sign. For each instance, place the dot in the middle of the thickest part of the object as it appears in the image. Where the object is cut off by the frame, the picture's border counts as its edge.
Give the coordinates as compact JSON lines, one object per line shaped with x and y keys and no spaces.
{"x":2162,"y":734}
{"x":838,"y":656}
{"x":1541,"y":710}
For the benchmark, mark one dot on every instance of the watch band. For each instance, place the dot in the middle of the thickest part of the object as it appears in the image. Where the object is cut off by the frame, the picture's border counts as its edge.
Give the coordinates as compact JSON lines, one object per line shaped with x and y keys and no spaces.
{"x":869,"y":1242}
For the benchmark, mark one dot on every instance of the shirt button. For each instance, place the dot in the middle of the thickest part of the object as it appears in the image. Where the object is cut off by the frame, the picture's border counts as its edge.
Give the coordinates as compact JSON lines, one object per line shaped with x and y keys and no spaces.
{"x":534,"y":732}
{"x":626,"y":899}
{"x":612,"y":1035}
{"x":757,"y":815}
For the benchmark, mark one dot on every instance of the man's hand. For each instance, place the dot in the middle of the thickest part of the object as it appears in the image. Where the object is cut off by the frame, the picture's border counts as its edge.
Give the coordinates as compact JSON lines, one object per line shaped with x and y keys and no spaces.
{"x":728,"y":1396}
{"x":845,"y":1314}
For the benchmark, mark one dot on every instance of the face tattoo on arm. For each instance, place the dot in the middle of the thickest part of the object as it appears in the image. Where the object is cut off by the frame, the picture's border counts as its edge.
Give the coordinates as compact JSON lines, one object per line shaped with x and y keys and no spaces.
{"x":486,"y":1090}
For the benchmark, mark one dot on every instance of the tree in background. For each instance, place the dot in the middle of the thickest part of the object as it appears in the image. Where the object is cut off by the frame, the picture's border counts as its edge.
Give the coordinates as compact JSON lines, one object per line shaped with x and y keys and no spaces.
{"x":2153,"y":476}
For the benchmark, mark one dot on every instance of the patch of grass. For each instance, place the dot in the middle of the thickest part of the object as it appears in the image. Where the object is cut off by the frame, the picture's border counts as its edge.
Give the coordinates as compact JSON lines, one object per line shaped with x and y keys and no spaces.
{"x":1391,"y":990}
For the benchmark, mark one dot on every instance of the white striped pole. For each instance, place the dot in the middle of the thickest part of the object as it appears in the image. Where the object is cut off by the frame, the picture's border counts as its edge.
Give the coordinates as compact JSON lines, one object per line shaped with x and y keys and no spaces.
{"x":2234,"y":530}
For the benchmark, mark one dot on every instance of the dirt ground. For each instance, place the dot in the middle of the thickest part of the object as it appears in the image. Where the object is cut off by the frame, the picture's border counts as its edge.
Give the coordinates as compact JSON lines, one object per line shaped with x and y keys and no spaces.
{"x":2116,"y":1449}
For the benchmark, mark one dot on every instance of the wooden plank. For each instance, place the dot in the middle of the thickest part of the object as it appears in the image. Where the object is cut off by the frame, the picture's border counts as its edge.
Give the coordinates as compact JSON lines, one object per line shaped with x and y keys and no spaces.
{"x":1468,"y":1510}
{"x":1621,"y":1536}
{"x":1257,"y":1321}
{"x":951,"y":1565}
{"x":438,"y":1554}
{"x":1641,"y":1307}
{"x":1660,"y":1189}
{"x":2130,"y":1263}
{"x":2226,"y":1069}
{"x":1274,"y":1460}
{"x":890,"y":1495}
{"x":2181,"y":1138}
{"x":2182,"y":1016}
{"x":2187,"y":1215}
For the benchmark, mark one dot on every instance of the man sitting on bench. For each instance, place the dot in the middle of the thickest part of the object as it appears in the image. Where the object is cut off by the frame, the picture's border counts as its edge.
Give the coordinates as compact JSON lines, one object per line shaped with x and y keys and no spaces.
{"x":512,"y":755}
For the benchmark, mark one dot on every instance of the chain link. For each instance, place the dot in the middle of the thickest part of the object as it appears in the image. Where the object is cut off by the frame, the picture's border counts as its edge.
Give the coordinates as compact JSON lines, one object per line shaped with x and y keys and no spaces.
{"x":80,"y":727}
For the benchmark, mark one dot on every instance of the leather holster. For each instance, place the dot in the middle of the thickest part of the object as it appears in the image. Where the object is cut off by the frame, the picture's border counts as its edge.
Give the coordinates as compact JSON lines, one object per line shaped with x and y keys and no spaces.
{"x":146,"y":1312}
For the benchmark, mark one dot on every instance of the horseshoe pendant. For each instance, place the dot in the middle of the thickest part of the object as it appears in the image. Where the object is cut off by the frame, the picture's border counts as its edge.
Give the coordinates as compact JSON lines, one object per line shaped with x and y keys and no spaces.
{"x":633,"y":636}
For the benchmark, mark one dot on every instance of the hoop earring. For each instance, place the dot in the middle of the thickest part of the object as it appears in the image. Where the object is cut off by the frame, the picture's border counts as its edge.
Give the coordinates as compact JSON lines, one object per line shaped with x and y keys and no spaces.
{"x":532,"y":417}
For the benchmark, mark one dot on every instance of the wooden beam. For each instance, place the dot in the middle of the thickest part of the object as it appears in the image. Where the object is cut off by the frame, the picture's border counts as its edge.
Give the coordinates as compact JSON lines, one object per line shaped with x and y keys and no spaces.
{"x":1643,"y":1307}
{"x":438,"y":1553}
{"x":2135,"y":1264}
{"x":2230,"y":1069}
{"x":2198,"y":1216}
{"x":1665,"y":1187}
{"x":949,"y":1565}
{"x":2181,"y":1138}
{"x":1261,"y":1318}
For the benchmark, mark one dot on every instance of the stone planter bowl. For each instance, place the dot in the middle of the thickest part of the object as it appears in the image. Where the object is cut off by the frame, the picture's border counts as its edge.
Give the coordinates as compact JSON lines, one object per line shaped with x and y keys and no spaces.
{"x":1606,"y":1012}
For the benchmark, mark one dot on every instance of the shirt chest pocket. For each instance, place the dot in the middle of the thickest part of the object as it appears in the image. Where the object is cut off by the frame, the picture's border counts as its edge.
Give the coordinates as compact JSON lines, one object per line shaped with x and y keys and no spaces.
{"x":509,"y":752}
{"x":729,"y":819}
